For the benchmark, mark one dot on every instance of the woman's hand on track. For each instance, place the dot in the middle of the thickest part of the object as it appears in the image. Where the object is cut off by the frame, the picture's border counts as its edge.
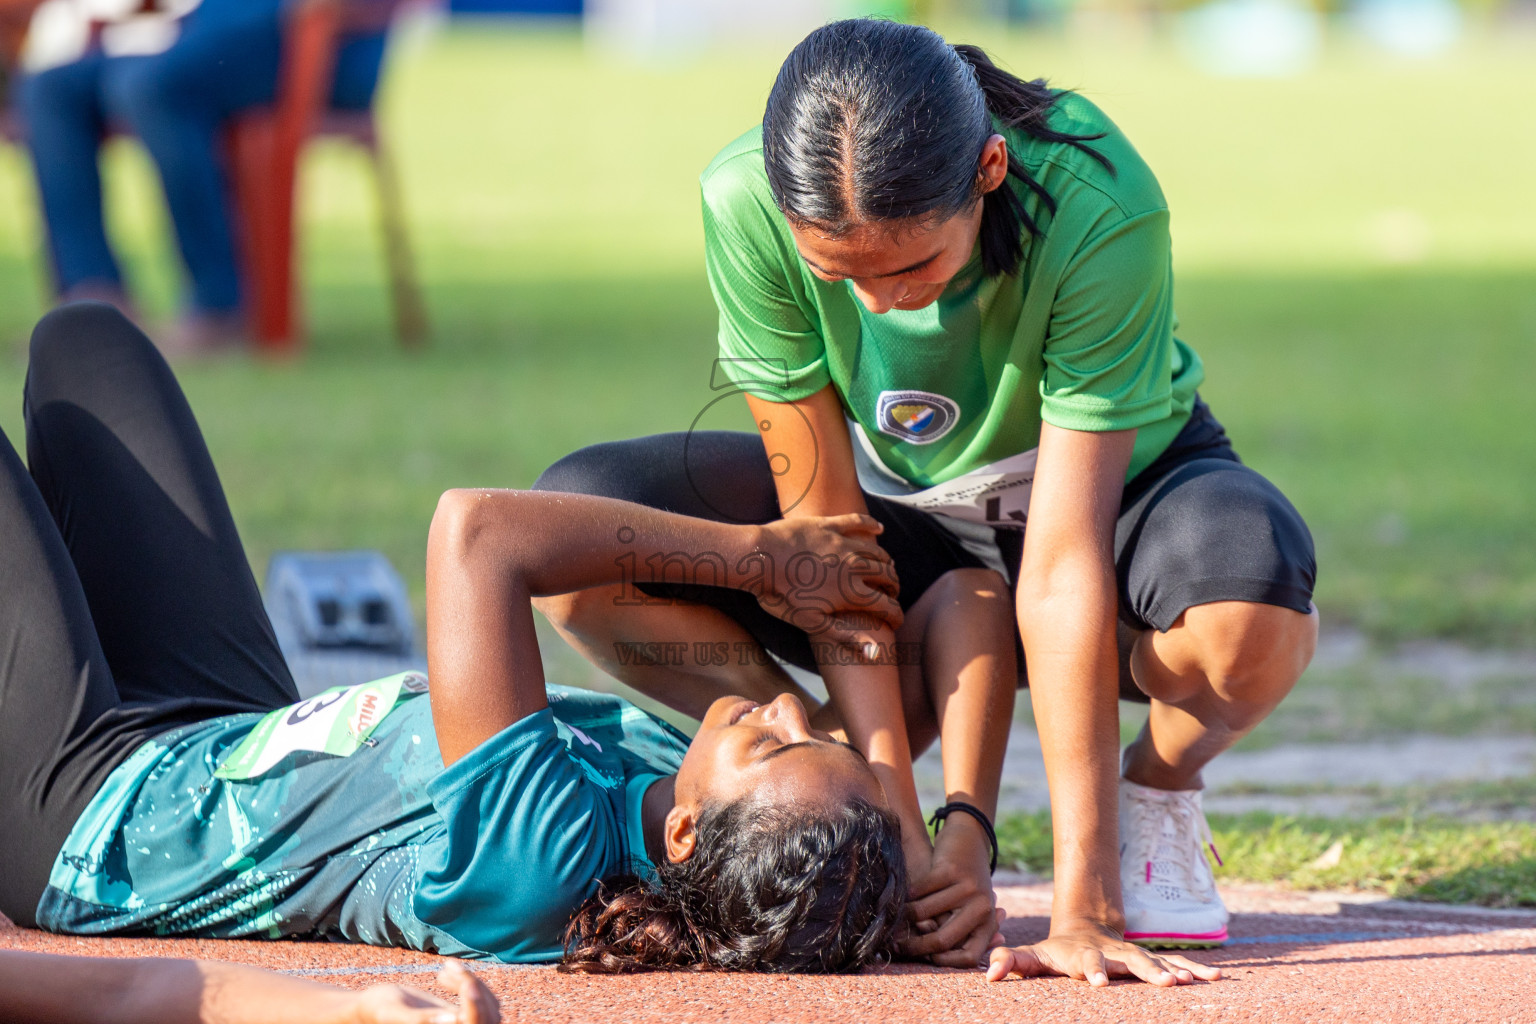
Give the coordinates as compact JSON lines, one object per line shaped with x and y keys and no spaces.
{"x":829,"y":576}
{"x":1095,"y":957}
{"x":400,"y":1004}
{"x":953,"y":906}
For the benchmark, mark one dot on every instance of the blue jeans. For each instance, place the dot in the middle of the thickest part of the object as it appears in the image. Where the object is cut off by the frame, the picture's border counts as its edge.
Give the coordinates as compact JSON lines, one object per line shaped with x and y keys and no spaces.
{"x":177,"y":102}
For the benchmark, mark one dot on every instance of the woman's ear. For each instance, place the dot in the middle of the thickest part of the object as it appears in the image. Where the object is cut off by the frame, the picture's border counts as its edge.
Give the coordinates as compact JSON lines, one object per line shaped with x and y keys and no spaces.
{"x":678,"y":833}
{"x":993,"y":167}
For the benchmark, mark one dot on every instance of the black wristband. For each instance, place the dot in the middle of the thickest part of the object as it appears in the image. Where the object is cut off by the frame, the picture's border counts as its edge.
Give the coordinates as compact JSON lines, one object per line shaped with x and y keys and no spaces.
{"x":975,"y":812}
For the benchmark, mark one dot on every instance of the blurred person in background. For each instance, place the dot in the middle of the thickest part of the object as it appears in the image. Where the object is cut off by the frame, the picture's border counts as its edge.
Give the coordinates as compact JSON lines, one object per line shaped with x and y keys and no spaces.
{"x":172,"y":72}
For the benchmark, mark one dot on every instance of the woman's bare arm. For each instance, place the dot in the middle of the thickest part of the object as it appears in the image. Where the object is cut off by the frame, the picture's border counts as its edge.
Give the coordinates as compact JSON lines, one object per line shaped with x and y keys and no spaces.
{"x":38,"y":988}
{"x":812,"y":458}
{"x":970,"y":676}
{"x":1068,"y":604}
{"x":1067,"y":607}
{"x":490,"y":551}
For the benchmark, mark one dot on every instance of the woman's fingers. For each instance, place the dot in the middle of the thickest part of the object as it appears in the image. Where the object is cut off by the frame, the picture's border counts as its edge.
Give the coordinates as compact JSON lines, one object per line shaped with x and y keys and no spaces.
{"x":828,"y":574}
{"x":1202,"y":971}
{"x":958,"y":928}
{"x":1092,"y":968}
{"x":951,"y":897}
{"x":854,"y":524}
{"x":861,"y":574}
{"x":1095,"y":960}
{"x":1025,"y":961}
{"x":998,"y":917}
{"x":971,"y":951}
{"x":1149,"y":968}
{"x":939,"y":877}
{"x":476,"y":1003}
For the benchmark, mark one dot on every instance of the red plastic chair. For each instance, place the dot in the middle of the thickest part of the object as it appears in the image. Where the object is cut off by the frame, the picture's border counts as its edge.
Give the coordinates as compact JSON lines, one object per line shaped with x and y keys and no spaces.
{"x":15,"y":16}
{"x":264,"y":149}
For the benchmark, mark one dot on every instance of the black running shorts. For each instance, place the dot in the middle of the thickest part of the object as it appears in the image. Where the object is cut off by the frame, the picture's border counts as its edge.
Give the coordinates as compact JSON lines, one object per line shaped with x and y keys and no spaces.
{"x":1196,"y":526}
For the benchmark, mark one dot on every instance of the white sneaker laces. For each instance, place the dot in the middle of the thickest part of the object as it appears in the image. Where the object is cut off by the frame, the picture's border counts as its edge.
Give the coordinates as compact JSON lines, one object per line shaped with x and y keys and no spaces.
{"x":1165,"y":823}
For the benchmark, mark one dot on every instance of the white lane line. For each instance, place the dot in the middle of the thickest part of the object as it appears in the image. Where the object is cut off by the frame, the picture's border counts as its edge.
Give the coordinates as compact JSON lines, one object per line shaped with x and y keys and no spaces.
{"x":333,"y":972}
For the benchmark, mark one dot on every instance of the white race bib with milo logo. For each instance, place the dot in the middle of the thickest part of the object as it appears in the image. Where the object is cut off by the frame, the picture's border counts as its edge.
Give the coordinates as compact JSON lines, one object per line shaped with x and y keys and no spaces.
{"x":337,"y":722}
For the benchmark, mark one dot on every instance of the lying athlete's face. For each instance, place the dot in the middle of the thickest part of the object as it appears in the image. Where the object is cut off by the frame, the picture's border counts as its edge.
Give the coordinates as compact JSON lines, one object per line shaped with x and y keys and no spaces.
{"x":903,"y":264}
{"x":770,"y":752}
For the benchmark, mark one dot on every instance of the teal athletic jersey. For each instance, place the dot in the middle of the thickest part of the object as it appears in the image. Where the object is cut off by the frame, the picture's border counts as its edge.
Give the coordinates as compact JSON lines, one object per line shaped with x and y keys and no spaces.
{"x":485,"y":859}
{"x":1082,"y":336}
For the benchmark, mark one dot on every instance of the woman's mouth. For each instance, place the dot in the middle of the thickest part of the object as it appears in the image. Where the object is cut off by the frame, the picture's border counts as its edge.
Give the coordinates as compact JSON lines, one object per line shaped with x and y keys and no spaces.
{"x":741,"y":711}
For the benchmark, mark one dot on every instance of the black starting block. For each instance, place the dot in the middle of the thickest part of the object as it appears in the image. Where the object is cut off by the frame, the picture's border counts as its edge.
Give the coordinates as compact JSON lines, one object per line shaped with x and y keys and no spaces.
{"x":341,"y":617}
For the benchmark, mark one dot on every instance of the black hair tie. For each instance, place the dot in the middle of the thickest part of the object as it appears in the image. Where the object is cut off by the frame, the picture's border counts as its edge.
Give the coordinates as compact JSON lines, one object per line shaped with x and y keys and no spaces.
{"x":975,"y":812}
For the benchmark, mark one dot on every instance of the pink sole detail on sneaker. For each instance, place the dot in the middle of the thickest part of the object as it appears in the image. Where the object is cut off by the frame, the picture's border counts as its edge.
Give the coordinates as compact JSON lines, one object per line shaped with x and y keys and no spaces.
{"x":1216,"y":936}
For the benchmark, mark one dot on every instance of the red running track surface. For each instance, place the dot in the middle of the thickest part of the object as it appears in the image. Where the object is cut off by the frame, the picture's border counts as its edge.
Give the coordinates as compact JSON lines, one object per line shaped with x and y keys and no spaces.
{"x":1293,"y":957}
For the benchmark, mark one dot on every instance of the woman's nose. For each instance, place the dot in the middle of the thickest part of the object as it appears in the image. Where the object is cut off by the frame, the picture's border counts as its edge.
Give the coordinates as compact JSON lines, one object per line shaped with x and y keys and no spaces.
{"x":877,"y":296}
{"x":789,"y":714}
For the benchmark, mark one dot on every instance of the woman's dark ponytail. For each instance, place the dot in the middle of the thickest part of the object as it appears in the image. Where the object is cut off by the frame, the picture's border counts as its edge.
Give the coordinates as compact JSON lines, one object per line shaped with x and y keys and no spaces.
{"x":873,"y":120}
{"x":778,"y":889}
{"x":1026,"y":107}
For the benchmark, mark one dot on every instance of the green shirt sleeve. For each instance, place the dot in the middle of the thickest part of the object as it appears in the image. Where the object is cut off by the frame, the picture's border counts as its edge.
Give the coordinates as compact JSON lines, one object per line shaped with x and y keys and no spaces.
{"x":1109,"y":347}
{"x":767,"y":341}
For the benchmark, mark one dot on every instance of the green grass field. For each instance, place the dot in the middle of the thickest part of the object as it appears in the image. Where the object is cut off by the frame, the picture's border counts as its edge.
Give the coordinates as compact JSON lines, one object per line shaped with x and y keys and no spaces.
{"x":1356,"y":262}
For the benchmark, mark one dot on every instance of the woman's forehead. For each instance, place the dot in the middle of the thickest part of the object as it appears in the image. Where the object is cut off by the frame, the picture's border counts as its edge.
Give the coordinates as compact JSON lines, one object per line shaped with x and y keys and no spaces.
{"x":874,"y":249}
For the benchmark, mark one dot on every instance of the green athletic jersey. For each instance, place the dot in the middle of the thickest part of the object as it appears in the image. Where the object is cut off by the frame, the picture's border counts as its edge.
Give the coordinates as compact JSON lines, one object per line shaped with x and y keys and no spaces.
{"x":1082,"y":336}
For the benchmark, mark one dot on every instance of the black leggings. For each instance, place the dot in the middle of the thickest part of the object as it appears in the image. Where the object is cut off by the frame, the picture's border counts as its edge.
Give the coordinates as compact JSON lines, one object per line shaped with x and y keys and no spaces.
{"x":127,"y":606}
{"x":1196,"y":526}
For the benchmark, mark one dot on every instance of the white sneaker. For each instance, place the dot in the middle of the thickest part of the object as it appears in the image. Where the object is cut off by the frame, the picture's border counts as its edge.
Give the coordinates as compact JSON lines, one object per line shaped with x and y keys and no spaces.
{"x":1170,"y":893}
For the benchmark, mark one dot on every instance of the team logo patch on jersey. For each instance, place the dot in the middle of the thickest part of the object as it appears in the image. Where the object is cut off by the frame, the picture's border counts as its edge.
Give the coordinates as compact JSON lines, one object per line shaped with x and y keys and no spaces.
{"x":918,"y":417}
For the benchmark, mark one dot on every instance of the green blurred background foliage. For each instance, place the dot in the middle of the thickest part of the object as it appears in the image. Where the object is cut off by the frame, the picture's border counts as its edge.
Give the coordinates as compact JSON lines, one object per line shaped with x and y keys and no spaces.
{"x":1354,"y":248}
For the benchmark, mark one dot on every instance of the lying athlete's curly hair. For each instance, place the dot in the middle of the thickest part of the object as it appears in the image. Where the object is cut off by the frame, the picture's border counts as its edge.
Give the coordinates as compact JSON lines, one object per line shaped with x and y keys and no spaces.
{"x":768,"y":888}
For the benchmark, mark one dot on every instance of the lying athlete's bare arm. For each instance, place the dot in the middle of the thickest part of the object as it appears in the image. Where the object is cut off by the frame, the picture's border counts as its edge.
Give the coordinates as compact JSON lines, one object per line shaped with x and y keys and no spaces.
{"x":490,"y":551}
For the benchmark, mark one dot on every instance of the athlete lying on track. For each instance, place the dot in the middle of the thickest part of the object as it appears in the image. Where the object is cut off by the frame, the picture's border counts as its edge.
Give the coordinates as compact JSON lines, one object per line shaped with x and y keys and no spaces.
{"x":148,"y":788}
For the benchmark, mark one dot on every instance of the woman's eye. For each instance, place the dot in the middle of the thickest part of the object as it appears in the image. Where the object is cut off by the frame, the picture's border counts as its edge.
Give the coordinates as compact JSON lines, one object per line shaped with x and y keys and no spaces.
{"x":762,"y":739}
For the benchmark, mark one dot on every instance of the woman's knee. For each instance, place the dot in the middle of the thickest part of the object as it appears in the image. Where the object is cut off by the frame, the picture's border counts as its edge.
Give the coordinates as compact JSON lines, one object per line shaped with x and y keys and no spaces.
{"x":92,"y":358}
{"x":709,"y":474}
{"x":1249,"y":654}
{"x":982,"y":592}
{"x":595,"y":469}
{"x":70,"y":333}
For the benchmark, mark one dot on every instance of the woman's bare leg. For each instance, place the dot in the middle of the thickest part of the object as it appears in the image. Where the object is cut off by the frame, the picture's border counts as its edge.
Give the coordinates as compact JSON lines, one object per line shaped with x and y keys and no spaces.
{"x":1216,"y":674}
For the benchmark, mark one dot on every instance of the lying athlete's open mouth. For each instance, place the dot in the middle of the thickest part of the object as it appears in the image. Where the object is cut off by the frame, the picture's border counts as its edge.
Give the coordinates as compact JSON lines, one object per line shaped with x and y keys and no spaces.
{"x":741,"y":711}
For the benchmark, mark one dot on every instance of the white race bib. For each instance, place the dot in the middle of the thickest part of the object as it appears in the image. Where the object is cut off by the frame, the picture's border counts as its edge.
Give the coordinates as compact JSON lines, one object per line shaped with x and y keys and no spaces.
{"x":337,"y":722}
{"x":996,"y":494}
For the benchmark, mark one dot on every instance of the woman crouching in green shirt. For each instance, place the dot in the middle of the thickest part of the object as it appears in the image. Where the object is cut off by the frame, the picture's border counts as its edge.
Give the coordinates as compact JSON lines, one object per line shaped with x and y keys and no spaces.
{"x":159,"y":776}
{"x":948,"y":296}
